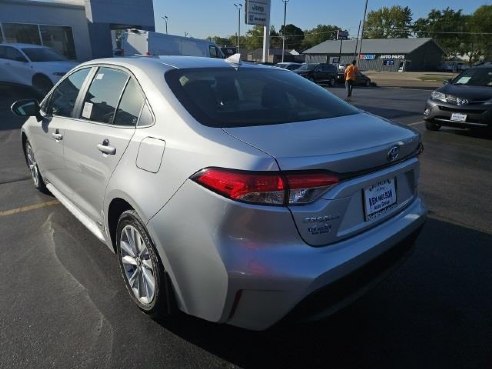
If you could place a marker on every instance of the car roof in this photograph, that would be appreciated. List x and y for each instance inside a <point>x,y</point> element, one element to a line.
<point>173,62</point>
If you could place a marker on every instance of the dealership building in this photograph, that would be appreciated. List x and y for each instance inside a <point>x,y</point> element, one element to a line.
<point>79,29</point>
<point>398,54</point>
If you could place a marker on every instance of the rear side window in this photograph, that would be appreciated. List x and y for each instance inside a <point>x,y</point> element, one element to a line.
<point>103,95</point>
<point>130,105</point>
<point>229,97</point>
<point>62,99</point>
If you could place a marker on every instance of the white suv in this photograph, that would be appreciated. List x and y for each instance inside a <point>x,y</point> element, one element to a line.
<point>32,65</point>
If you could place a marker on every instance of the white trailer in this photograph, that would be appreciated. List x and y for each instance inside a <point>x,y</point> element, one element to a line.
<point>139,42</point>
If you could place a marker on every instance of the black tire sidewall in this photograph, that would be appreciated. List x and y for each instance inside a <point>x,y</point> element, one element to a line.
<point>157,306</point>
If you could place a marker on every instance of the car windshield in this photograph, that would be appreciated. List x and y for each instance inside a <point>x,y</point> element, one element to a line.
<point>229,97</point>
<point>41,54</point>
<point>475,77</point>
<point>309,66</point>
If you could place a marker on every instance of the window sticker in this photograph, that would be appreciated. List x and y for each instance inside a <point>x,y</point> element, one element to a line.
<point>87,112</point>
<point>100,76</point>
<point>463,80</point>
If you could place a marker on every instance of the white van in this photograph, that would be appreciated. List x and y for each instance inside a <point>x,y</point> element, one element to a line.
<point>139,42</point>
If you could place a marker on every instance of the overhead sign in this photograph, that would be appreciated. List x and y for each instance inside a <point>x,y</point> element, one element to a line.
<point>367,56</point>
<point>257,12</point>
<point>342,35</point>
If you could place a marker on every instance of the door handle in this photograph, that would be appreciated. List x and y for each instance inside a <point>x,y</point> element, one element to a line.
<point>105,148</point>
<point>57,136</point>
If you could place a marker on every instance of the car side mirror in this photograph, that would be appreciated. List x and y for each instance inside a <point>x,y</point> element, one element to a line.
<point>445,82</point>
<point>27,108</point>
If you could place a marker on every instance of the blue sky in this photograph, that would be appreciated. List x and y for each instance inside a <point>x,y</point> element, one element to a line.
<point>202,18</point>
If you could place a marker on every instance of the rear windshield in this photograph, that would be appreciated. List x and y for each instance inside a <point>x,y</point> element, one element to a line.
<point>43,55</point>
<point>226,97</point>
<point>475,77</point>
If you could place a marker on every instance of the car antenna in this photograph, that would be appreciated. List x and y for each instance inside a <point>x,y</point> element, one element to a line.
<point>234,59</point>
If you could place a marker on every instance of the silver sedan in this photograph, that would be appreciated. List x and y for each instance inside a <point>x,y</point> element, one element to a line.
<point>237,193</point>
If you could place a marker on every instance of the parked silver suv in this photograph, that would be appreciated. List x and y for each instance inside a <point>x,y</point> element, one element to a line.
<point>237,193</point>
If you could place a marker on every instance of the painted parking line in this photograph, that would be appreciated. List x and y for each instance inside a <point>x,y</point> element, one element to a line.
<point>24,209</point>
<point>416,123</point>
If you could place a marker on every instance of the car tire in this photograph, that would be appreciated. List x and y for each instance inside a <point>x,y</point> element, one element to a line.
<point>332,82</point>
<point>147,282</point>
<point>368,83</point>
<point>431,126</point>
<point>34,168</point>
<point>42,84</point>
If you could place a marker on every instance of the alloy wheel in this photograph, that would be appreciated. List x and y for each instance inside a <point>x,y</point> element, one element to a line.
<point>33,166</point>
<point>138,267</point>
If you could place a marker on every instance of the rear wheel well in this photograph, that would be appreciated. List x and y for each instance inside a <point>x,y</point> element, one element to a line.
<point>116,208</point>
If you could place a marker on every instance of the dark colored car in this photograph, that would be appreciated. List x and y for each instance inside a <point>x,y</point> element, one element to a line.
<point>361,79</point>
<point>318,72</point>
<point>464,102</point>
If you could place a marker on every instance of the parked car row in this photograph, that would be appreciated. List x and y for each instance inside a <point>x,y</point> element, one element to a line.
<point>323,73</point>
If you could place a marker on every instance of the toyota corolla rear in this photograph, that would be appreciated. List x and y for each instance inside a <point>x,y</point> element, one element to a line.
<point>327,205</point>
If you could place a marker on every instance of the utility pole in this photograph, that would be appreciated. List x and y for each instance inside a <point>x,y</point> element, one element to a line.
<point>357,40</point>
<point>283,32</point>
<point>362,33</point>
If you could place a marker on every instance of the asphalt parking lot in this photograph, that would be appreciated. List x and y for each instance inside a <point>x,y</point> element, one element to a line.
<point>64,305</point>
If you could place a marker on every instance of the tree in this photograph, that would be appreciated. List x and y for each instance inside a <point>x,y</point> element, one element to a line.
<point>394,22</point>
<point>481,37</point>
<point>448,27</point>
<point>294,36</point>
<point>254,38</point>
<point>319,34</point>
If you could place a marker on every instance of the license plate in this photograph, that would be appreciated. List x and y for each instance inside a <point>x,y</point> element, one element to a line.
<point>379,198</point>
<point>458,117</point>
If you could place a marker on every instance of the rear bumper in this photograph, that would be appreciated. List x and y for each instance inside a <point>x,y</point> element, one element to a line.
<point>441,113</point>
<point>316,285</point>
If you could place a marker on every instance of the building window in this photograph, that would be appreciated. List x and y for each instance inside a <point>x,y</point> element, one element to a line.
<point>23,33</point>
<point>59,38</point>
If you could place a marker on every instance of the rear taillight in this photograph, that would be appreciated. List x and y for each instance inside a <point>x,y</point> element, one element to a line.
<point>267,188</point>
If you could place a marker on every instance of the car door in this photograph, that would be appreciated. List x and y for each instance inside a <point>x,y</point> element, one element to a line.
<point>14,66</point>
<point>47,139</point>
<point>97,140</point>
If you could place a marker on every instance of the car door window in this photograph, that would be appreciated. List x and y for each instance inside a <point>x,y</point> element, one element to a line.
<point>14,54</point>
<point>103,95</point>
<point>130,105</point>
<point>62,100</point>
<point>3,52</point>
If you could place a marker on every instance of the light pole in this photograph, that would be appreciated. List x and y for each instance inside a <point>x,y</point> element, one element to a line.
<point>283,32</point>
<point>238,6</point>
<point>165,20</point>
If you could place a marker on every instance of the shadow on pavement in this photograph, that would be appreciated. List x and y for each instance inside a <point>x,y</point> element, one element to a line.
<point>434,310</point>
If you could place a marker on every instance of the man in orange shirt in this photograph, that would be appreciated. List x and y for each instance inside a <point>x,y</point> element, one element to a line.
<point>350,77</point>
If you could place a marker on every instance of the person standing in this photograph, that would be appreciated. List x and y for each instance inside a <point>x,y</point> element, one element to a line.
<point>350,77</point>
